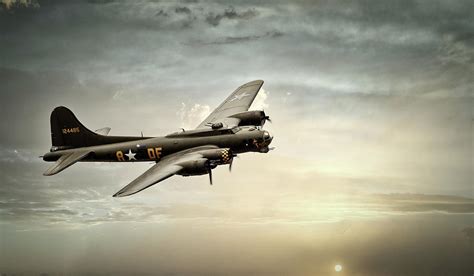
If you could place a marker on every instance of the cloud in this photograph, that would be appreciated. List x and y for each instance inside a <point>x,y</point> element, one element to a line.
<point>185,10</point>
<point>230,14</point>
<point>400,245</point>
<point>161,13</point>
<point>411,53</point>
<point>15,155</point>
<point>48,201</point>
<point>469,232</point>
<point>238,39</point>
<point>12,4</point>
<point>407,203</point>
<point>453,51</point>
<point>192,116</point>
<point>101,2</point>
<point>261,101</point>
<point>380,102</point>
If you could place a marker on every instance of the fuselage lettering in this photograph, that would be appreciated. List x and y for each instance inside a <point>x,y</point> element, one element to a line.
<point>71,130</point>
<point>154,153</point>
<point>119,155</point>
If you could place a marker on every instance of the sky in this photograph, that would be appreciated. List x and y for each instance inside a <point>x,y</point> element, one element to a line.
<point>372,108</point>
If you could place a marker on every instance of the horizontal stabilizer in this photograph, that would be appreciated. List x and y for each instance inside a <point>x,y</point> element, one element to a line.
<point>65,161</point>
<point>103,131</point>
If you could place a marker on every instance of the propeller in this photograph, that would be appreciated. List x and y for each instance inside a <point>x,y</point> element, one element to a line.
<point>232,161</point>
<point>230,164</point>
<point>209,170</point>
<point>210,176</point>
<point>265,117</point>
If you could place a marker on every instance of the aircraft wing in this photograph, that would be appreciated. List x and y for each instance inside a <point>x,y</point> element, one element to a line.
<point>239,101</point>
<point>65,161</point>
<point>167,167</point>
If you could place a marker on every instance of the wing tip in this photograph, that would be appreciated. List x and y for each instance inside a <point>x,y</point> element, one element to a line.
<point>254,82</point>
<point>51,171</point>
<point>120,194</point>
<point>124,193</point>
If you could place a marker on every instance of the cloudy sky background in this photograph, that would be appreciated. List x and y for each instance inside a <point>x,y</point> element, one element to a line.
<point>372,103</point>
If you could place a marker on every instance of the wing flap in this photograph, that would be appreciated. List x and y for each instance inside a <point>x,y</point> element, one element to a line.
<point>65,161</point>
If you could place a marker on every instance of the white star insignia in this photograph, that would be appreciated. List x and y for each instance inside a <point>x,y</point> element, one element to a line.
<point>130,155</point>
<point>239,97</point>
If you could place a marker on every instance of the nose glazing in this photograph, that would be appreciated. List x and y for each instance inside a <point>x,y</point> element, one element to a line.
<point>267,138</point>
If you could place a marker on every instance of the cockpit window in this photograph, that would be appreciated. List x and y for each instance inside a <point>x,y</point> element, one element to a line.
<point>227,131</point>
<point>236,129</point>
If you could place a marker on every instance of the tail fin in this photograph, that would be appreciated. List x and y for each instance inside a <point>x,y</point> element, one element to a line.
<point>68,132</point>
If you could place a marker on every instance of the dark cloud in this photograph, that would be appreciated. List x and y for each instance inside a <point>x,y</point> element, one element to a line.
<point>13,6</point>
<point>401,245</point>
<point>161,13</point>
<point>426,203</point>
<point>101,2</point>
<point>238,39</point>
<point>185,10</point>
<point>230,14</point>
<point>371,47</point>
<point>469,232</point>
<point>30,95</point>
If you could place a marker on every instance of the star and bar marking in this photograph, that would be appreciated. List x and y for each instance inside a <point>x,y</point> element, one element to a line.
<point>131,155</point>
<point>239,97</point>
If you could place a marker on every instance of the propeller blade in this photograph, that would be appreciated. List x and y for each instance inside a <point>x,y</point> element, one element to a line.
<point>232,161</point>
<point>209,170</point>
<point>210,176</point>
<point>267,118</point>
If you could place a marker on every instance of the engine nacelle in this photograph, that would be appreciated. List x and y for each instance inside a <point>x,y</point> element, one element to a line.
<point>211,158</point>
<point>251,118</point>
<point>218,156</point>
<point>195,167</point>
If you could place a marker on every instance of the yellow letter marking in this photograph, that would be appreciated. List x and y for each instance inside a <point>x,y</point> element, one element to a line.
<point>154,153</point>
<point>119,155</point>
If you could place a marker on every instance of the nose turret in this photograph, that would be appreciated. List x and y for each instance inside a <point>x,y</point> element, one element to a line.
<point>267,139</point>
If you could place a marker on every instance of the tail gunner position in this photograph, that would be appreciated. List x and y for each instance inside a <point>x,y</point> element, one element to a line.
<point>229,130</point>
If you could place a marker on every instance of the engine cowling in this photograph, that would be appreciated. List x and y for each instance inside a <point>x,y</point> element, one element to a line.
<point>211,158</point>
<point>218,156</point>
<point>252,118</point>
<point>196,167</point>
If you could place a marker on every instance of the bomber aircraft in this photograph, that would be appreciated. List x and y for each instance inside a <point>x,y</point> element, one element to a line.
<point>229,130</point>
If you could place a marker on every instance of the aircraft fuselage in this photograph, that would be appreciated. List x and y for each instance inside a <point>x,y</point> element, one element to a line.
<point>239,140</point>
